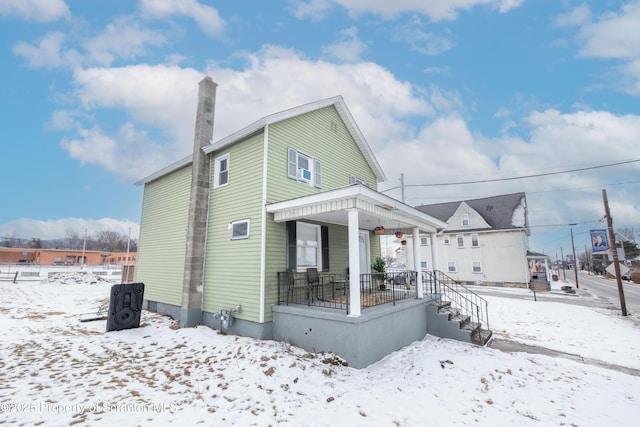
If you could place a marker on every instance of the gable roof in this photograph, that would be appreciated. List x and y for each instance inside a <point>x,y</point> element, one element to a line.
<point>497,211</point>
<point>259,125</point>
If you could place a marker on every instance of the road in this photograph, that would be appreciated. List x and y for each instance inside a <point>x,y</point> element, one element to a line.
<point>608,289</point>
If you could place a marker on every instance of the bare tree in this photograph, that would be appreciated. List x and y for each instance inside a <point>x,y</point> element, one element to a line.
<point>73,239</point>
<point>108,241</point>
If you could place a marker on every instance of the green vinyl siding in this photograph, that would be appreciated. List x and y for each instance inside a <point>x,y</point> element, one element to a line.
<point>163,233</point>
<point>232,267</point>
<point>322,135</point>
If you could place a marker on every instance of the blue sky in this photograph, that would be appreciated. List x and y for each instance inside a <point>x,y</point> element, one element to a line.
<point>99,94</point>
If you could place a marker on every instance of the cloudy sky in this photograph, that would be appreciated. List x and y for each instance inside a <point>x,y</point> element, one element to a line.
<point>99,94</point>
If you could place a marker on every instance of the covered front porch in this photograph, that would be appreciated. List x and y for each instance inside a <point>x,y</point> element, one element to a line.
<point>360,210</point>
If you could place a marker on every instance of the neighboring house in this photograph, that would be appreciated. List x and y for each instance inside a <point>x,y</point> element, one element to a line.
<point>485,241</point>
<point>232,236</point>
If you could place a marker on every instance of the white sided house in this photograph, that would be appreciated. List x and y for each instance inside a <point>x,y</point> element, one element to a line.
<point>270,233</point>
<point>485,241</point>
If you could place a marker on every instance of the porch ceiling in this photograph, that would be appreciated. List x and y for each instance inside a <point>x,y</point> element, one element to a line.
<point>374,209</point>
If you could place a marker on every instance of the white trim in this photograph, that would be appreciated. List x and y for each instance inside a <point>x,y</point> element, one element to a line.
<point>263,223</point>
<point>241,221</point>
<point>216,170</point>
<point>166,170</point>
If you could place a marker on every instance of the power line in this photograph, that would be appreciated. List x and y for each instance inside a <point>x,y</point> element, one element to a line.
<point>515,177</point>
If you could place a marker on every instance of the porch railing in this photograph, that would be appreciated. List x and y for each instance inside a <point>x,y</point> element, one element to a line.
<point>332,290</point>
<point>442,287</point>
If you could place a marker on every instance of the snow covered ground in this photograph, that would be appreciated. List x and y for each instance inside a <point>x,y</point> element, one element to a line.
<point>56,371</point>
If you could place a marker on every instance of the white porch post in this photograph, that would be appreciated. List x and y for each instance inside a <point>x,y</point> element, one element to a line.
<point>434,257</point>
<point>416,261</point>
<point>354,263</point>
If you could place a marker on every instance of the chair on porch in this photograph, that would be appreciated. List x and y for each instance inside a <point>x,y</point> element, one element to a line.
<point>314,285</point>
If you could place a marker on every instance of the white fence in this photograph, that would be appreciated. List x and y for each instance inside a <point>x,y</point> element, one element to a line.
<point>37,273</point>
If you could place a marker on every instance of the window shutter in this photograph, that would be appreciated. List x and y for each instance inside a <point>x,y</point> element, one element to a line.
<point>292,260</point>
<point>324,236</point>
<point>293,164</point>
<point>318,173</point>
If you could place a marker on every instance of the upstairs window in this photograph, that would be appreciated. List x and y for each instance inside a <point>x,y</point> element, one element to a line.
<point>446,239</point>
<point>221,171</point>
<point>464,220</point>
<point>475,243</point>
<point>460,240</point>
<point>304,169</point>
<point>424,241</point>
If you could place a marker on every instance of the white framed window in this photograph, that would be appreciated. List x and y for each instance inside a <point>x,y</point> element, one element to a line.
<point>475,242</point>
<point>476,267</point>
<point>308,250</point>
<point>424,265</point>
<point>240,229</point>
<point>464,220</point>
<point>446,239</point>
<point>451,267</point>
<point>221,171</point>
<point>304,168</point>
<point>424,241</point>
<point>460,241</point>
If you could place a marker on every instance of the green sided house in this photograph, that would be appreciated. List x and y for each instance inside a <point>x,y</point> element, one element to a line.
<point>270,232</point>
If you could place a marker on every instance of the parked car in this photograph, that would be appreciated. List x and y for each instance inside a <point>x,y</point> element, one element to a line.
<point>24,262</point>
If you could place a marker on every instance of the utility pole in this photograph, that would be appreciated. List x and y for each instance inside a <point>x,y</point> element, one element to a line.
<point>613,248</point>
<point>564,273</point>
<point>402,186</point>
<point>575,259</point>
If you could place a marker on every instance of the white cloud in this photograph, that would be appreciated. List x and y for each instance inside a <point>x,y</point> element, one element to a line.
<point>421,41</point>
<point>48,53</point>
<point>35,10</point>
<point>436,10</point>
<point>123,38</point>
<point>130,155</point>
<point>579,15</point>
<point>615,35</point>
<point>207,17</point>
<point>348,48</point>
<point>58,228</point>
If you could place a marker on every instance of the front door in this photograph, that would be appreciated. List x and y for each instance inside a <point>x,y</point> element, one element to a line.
<point>365,258</point>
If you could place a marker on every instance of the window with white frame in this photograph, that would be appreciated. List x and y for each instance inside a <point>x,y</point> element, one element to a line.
<point>304,168</point>
<point>475,243</point>
<point>424,265</point>
<point>464,220</point>
<point>308,246</point>
<point>446,239</point>
<point>221,171</point>
<point>424,241</point>
<point>240,229</point>
<point>476,267</point>
<point>451,267</point>
<point>460,240</point>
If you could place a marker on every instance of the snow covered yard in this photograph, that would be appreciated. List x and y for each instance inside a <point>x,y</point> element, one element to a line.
<point>57,371</point>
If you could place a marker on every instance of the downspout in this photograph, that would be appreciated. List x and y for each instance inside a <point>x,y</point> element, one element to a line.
<point>263,233</point>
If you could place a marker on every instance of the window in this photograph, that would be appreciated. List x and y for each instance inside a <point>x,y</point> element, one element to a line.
<point>424,241</point>
<point>446,239</point>
<point>474,241</point>
<point>221,171</point>
<point>464,220</point>
<point>460,240</point>
<point>307,246</point>
<point>476,267</point>
<point>424,265</point>
<point>240,229</point>
<point>451,267</point>
<point>304,168</point>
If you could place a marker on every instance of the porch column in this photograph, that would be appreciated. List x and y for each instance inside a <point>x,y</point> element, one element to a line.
<point>354,263</point>
<point>434,257</point>
<point>416,261</point>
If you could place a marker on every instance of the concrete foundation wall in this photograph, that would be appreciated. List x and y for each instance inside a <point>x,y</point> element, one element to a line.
<point>360,341</point>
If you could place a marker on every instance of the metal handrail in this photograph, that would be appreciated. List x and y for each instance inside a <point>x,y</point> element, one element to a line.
<point>442,286</point>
